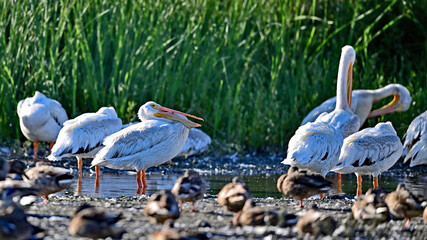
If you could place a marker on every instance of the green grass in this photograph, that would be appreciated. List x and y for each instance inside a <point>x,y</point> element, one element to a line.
<point>253,69</point>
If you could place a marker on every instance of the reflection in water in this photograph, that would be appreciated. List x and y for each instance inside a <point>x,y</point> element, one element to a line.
<point>261,185</point>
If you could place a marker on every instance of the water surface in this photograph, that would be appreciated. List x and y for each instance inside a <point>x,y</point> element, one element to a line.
<point>260,173</point>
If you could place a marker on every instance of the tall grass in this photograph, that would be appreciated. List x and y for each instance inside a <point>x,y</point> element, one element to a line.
<point>251,68</point>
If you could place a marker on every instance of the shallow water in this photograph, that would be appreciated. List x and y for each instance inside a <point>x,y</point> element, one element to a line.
<point>260,173</point>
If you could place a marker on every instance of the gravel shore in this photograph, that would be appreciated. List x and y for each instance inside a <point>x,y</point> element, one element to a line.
<point>213,222</point>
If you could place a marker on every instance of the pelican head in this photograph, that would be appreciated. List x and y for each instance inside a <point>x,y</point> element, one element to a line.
<point>345,76</point>
<point>401,100</point>
<point>109,111</point>
<point>151,110</point>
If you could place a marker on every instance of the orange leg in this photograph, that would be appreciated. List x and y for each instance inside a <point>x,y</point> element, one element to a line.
<point>321,195</point>
<point>98,176</point>
<point>79,185</point>
<point>36,148</point>
<point>339,184</point>
<point>50,147</point>
<point>142,183</point>
<point>407,223</point>
<point>80,166</point>
<point>46,198</point>
<point>375,182</point>
<point>138,179</point>
<point>359,185</point>
<point>143,180</point>
<point>300,203</point>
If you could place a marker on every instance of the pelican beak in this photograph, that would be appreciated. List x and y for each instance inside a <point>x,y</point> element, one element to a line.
<point>390,107</point>
<point>171,114</point>
<point>349,84</point>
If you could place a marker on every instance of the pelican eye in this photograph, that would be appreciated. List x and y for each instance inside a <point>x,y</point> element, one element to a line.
<point>153,106</point>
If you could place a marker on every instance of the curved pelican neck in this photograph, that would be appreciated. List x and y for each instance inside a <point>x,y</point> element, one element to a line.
<point>344,75</point>
<point>383,92</point>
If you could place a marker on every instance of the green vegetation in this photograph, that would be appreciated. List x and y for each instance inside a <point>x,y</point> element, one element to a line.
<point>252,68</point>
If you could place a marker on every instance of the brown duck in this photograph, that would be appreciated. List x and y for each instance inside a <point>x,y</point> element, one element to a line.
<point>92,222</point>
<point>234,195</point>
<point>371,207</point>
<point>14,224</point>
<point>403,204</point>
<point>161,207</point>
<point>189,187</point>
<point>302,184</point>
<point>252,215</point>
<point>316,223</point>
<point>48,179</point>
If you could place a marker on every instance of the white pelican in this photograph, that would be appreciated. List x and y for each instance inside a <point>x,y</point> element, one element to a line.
<point>197,142</point>
<point>316,146</point>
<point>415,146</point>
<point>82,136</point>
<point>40,119</point>
<point>158,138</point>
<point>370,151</point>
<point>362,101</point>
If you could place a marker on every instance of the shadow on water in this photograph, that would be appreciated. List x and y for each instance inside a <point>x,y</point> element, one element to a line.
<point>260,173</point>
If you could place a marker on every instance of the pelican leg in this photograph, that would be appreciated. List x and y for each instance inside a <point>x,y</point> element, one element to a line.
<point>359,185</point>
<point>143,180</point>
<point>79,186</point>
<point>321,195</point>
<point>36,148</point>
<point>50,147</point>
<point>300,203</point>
<point>97,176</point>
<point>138,179</point>
<point>375,182</point>
<point>80,166</point>
<point>339,183</point>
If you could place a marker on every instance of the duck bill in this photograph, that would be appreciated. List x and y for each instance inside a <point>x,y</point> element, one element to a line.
<point>349,84</point>
<point>171,116</point>
<point>390,107</point>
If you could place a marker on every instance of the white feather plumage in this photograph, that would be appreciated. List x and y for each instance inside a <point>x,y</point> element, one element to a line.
<point>41,118</point>
<point>415,146</point>
<point>83,135</point>
<point>370,151</point>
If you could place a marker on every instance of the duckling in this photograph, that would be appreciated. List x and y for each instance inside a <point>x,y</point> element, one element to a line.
<point>162,206</point>
<point>91,222</point>
<point>14,224</point>
<point>316,223</point>
<point>302,184</point>
<point>189,187</point>
<point>371,207</point>
<point>234,195</point>
<point>48,179</point>
<point>403,204</point>
<point>251,215</point>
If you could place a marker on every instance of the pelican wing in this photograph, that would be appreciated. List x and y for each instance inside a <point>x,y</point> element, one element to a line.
<point>368,147</point>
<point>316,143</point>
<point>133,139</point>
<point>416,140</point>
<point>84,133</point>
<point>57,112</point>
